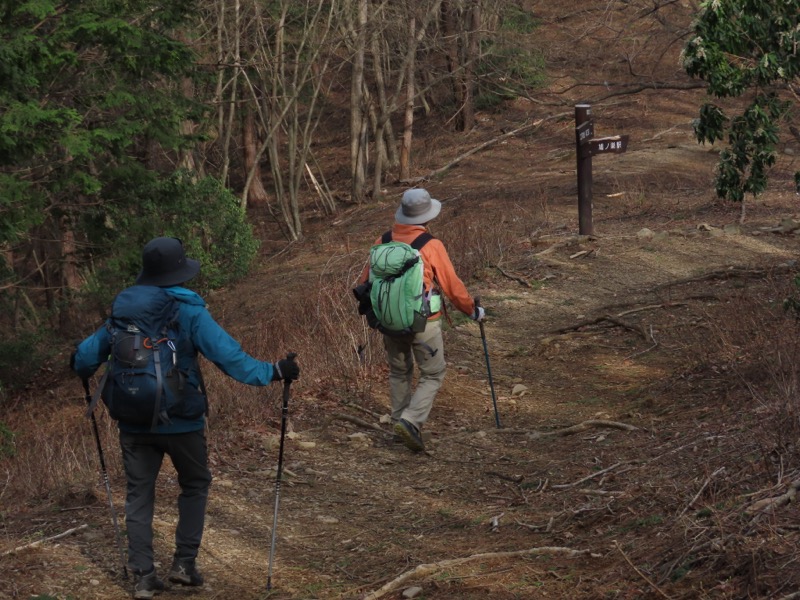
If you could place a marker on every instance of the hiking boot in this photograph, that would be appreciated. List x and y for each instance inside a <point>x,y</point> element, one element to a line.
<point>184,571</point>
<point>410,435</point>
<point>146,585</point>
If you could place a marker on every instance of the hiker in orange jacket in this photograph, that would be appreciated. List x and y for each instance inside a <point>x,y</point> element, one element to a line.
<point>410,408</point>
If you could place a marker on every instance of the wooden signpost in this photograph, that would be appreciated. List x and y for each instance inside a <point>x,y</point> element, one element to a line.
<point>586,146</point>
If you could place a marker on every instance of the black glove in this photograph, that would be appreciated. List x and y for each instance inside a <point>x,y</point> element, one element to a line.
<point>76,343</point>
<point>285,369</point>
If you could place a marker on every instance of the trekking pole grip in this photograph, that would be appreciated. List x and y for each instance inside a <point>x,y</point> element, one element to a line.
<point>290,357</point>
<point>477,301</point>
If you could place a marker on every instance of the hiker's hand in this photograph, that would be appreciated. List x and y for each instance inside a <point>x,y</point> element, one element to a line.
<point>479,314</point>
<point>285,369</point>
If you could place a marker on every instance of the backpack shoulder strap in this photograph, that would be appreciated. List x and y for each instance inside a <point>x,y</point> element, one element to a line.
<point>417,244</point>
<point>421,240</point>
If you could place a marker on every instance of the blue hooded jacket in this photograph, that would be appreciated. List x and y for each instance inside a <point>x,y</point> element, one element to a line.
<point>200,333</point>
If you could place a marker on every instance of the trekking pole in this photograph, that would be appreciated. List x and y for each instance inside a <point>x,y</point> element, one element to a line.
<point>488,367</point>
<point>284,416</point>
<point>105,480</point>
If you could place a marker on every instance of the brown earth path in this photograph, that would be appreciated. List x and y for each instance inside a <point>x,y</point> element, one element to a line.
<point>648,506</point>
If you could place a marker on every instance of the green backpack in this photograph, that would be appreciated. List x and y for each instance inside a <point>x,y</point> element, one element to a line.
<point>396,286</point>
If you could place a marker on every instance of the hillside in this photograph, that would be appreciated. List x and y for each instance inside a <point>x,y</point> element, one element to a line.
<point>645,378</point>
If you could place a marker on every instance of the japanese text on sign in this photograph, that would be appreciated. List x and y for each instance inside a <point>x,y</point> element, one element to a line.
<point>585,132</point>
<point>609,146</point>
<point>616,144</point>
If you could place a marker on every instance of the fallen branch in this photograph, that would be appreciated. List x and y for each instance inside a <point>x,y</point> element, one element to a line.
<point>544,528</point>
<point>535,435</point>
<point>513,277</point>
<point>429,568</point>
<point>42,541</point>
<point>642,575</point>
<point>649,307</point>
<point>769,504</point>
<point>613,319</point>
<point>700,491</point>
<point>511,478</point>
<point>363,409</point>
<point>350,419</point>
<point>646,350</point>
<point>475,150</point>
<point>727,273</point>
<point>564,486</point>
<point>589,492</point>
<point>570,241</point>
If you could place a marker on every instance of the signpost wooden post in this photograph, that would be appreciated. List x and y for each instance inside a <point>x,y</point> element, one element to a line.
<point>584,132</point>
<point>586,146</point>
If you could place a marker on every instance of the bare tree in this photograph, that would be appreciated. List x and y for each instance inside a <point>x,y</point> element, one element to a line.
<point>397,31</point>
<point>461,23</point>
<point>358,112</point>
<point>272,65</point>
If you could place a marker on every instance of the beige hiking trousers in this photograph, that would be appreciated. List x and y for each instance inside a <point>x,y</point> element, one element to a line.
<point>426,349</point>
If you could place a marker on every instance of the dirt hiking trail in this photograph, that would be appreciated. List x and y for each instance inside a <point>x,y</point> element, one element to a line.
<point>582,332</point>
<point>633,372</point>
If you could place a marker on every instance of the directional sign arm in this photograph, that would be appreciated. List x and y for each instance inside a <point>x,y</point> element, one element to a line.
<point>614,143</point>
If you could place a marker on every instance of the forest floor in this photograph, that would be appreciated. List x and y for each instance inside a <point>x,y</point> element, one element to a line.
<point>634,443</point>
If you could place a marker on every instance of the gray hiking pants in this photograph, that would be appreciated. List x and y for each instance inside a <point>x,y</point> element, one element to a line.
<point>427,350</point>
<point>142,455</point>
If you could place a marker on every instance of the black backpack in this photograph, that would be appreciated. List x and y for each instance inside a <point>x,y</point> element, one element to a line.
<point>142,384</point>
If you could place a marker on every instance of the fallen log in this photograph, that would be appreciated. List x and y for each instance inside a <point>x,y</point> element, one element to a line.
<point>430,568</point>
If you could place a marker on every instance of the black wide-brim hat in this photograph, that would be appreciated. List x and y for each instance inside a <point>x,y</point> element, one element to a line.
<point>164,263</point>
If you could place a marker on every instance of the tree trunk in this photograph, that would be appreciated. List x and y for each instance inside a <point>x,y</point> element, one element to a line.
<point>380,118</point>
<point>408,121</point>
<point>357,113</point>
<point>255,195</point>
<point>186,155</point>
<point>71,279</point>
<point>451,37</point>
<point>470,62</point>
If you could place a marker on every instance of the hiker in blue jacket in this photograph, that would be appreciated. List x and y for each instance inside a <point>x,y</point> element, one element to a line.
<point>182,436</point>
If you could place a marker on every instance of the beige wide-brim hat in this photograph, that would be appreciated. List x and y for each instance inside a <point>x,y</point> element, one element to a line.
<point>417,207</point>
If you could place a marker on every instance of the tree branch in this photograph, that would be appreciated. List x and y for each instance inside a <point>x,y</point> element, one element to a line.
<point>42,541</point>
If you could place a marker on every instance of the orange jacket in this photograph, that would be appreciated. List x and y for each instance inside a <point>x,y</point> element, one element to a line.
<point>437,266</point>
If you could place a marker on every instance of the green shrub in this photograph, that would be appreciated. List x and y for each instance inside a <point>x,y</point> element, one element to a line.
<point>509,63</point>
<point>206,216</point>
<point>7,446</point>
<point>20,359</point>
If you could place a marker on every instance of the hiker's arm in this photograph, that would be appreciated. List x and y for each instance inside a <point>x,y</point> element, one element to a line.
<point>91,353</point>
<point>364,274</point>
<point>445,275</point>
<point>220,348</point>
